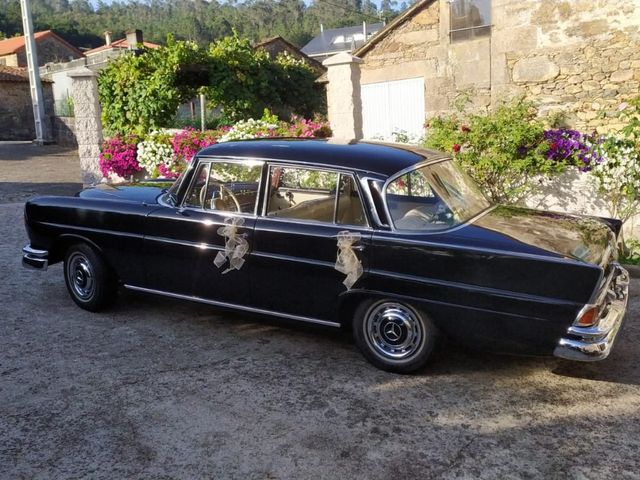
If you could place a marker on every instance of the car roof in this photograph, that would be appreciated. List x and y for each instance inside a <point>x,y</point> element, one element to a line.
<point>384,159</point>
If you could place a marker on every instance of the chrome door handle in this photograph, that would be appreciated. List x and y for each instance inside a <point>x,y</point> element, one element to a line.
<point>359,248</point>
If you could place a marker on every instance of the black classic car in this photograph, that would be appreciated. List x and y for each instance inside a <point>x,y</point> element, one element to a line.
<point>392,241</point>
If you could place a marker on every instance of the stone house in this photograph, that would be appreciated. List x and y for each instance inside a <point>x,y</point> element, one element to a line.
<point>16,113</point>
<point>276,45</point>
<point>51,48</point>
<point>575,59</point>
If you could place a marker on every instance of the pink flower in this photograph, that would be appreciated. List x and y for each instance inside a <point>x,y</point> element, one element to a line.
<point>456,148</point>
<point>118,155</point>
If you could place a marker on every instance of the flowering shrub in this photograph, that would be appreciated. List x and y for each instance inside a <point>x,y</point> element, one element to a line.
<point>502,150</point>
<point>247,129</point>
<point>618,176</point>
<point>155,151</point>
<point>165,153</point>
<point>301,127</point>
<point>118,155</point>
<point>573,147</point>
<point>188,142</point>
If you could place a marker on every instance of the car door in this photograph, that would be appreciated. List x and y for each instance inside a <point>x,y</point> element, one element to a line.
<point>296,241</point>
<point>183,242</point>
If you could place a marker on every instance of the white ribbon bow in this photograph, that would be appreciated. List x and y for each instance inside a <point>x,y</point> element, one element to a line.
<point>235,246</point>
<point>347,261</point>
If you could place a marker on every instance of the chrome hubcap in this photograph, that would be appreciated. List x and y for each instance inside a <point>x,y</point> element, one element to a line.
<point>81,276</point>
<point>393,330</point>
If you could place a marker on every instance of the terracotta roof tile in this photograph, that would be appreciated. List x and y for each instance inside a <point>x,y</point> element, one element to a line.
<point>118,44</point>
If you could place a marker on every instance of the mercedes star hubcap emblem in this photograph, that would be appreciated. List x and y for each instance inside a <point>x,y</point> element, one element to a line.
<point>392,331</point>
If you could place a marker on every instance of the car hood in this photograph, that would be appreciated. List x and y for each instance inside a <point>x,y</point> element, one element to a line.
<point>586,239</point>
<point>147,192</point>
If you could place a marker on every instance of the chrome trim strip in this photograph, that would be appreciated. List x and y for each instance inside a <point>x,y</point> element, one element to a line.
<point>185,243</point>
<point>234,306</point>
<point>93,230</point>
<point>289,258</point>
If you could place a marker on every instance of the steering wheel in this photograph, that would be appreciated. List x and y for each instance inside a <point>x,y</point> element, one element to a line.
<point>224,196</point>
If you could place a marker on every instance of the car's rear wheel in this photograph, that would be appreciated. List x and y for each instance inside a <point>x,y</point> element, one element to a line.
<point>89,280</point>
<point>393,335</point>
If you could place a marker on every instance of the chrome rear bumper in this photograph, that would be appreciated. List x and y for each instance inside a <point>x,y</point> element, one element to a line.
<point>589,344</point>
<point>34,258</point>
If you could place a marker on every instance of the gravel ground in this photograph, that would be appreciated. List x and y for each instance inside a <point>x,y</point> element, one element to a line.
<point>157,388</point>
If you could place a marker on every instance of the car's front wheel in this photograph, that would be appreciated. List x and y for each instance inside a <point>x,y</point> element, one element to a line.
<point>89,280</point>
<point>394,335</point>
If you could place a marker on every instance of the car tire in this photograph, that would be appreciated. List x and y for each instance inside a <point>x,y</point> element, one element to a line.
<point>89,279</point>
<point>393,335</point>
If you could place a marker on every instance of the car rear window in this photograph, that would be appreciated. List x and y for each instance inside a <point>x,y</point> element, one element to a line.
<point>433,197</point>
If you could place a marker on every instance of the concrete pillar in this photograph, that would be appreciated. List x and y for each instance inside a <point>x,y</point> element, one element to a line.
<point>86,108</point>
<point>343,95</point>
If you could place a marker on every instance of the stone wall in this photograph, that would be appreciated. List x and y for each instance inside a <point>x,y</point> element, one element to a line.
<point>578,58</point>
<point>64,131</point>
<point>16,113</point>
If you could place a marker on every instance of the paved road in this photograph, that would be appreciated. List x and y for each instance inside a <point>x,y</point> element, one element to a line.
<point>27,170</point>
<point>162,389</point>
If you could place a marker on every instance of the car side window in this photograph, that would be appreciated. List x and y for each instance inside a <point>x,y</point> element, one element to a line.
<point>349,209</point>
<point>307,194</point>
<point>195,196</point>
<point>233,187</point>
<point>302,194</point>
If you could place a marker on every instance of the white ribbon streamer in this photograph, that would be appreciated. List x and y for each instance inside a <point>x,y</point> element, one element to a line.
<point>235,246</point>
<point>347,261</point>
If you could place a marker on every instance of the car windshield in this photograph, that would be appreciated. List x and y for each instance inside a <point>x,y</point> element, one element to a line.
<point>434,197</point>
<point>172,192</point>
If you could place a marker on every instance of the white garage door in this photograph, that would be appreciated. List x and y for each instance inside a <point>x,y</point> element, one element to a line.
<point>389,107</point>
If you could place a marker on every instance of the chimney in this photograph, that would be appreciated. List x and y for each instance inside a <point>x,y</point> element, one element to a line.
<point>107,38</point>
<point>134,39</point>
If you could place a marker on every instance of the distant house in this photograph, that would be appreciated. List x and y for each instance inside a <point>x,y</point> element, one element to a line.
<point>336,40</point>
<point>132,39</point>
<point>51,48</point>
<point>16,112</point>
<point>277,45</point>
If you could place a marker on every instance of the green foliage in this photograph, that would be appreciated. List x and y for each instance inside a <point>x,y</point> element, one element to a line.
<point>239,77</point>
<point>140,92</point>
<point>630,115</point>
<point>502,150</point>
<point>631,255</point>
<point>295,85</point>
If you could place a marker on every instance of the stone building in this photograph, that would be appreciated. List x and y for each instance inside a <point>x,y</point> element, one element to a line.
<point>276,45</point>
<point>51,48</point>
<point>16,113</point>
<point>575,59</point>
